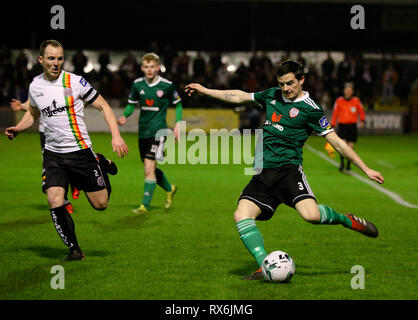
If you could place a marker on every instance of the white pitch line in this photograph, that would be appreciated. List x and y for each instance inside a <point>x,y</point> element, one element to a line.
<point>371,183</point>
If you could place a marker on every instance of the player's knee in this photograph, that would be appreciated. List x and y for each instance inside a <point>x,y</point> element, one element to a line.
<point>101,206</point>
<point>55,200</point>
<point>242,215</point>
<point>311,216</point>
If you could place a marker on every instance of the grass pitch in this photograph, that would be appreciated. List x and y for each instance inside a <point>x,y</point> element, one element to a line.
<point>193,250</point>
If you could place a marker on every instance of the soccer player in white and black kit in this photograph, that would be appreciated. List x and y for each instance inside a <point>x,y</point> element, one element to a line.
<point>59,97</point>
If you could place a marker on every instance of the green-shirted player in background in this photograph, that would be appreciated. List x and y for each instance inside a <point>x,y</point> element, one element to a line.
<point>291,117</point>
<point>154,94</point>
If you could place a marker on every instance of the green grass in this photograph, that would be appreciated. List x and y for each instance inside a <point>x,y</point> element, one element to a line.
<point>193,251</point>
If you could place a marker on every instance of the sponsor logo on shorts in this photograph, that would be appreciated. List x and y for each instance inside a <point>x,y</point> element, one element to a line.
<point>100,182</point>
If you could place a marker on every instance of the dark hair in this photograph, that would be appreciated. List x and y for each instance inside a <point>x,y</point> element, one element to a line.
<point>46,43</point>
<point>290,65</point>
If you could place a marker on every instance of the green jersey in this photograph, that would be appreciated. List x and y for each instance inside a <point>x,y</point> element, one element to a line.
<point>288,125</point>
<point>153,100</point>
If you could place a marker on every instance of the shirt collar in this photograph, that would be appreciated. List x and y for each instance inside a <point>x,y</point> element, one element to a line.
<point>305,95</point>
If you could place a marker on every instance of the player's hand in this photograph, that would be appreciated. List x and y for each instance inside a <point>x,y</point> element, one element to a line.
<point>119,146</point>
<point>177,131</point>
<point>361,126</point>
<point>194,87</point>
<point>16,105</point>
<point>11,132</point>
<point>122,120</point>
<point>375,175</point>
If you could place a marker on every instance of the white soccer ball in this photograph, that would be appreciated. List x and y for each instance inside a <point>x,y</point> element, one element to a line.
<point>278,266</point>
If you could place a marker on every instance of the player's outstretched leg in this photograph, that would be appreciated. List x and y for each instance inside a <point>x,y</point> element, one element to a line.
<point>163,182</point>
<point>250,235</point>
<point>330,216</point>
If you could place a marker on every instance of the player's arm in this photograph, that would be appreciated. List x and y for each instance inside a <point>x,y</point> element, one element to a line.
<point>27,121</point>
<point>118,143</point>
<point>229,96</point>
<point>18,105</point>
<point>346,151</point>
<point>179,117</point>
<point>129,109</point>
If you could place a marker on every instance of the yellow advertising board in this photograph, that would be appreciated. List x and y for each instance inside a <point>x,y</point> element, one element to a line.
<point>206,119</point>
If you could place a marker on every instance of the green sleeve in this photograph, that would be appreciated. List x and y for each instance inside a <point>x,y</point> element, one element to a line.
<point>179,111</point>
<point>130,108</point>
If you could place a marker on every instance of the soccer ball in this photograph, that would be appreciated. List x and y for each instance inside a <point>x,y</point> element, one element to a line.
<point>278,266</point>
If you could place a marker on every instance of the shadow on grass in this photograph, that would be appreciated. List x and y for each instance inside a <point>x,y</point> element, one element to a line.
<point>304,271</point>
<point>58,253</point>
<point>310,271</point>
<point>43,219</point>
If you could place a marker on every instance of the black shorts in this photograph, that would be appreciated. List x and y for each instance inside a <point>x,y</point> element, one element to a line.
<point>151,148</point>
<point>348,131</point>
<point>81,168</point>
<point>42,140</point>
<point>274,186</point>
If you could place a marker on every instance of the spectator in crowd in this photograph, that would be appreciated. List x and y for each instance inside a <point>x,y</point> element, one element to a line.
<point>129,69</point>
<point>199,65</point>
<point>366,86</point>
<point>104,61</point>
<point>389,80</point>
<point>79,62</point>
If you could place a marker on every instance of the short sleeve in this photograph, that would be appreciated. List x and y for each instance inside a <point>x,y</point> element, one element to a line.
<point>174,95</point>
<point>260,97</point>
<point>31,100</point>
<point>133,96</point>
<point>86,91</point>
<point>319,122</point>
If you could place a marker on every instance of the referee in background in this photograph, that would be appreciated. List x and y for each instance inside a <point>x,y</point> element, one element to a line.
<point>347,109</point>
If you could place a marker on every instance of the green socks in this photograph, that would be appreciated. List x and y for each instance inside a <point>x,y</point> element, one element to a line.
<point>252,239</point>
<point>149,188</point>
<point>330,216</point>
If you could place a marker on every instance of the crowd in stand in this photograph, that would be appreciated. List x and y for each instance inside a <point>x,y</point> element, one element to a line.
<point>372,82</point>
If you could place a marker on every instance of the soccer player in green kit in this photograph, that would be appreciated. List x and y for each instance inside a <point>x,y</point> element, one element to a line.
<point>291,116</point>
<point>154,94</point>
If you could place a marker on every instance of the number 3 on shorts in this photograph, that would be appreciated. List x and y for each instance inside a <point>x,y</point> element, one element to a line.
<point>300,185</point>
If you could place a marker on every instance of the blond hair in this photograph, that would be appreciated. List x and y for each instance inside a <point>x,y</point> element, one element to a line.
<point>150,56</point>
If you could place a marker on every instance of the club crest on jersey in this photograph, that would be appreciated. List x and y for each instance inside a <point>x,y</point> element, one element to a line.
<point>68,92</point>
<point>160,93</point>
<point>323,122</point>
<point>293,112</point>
